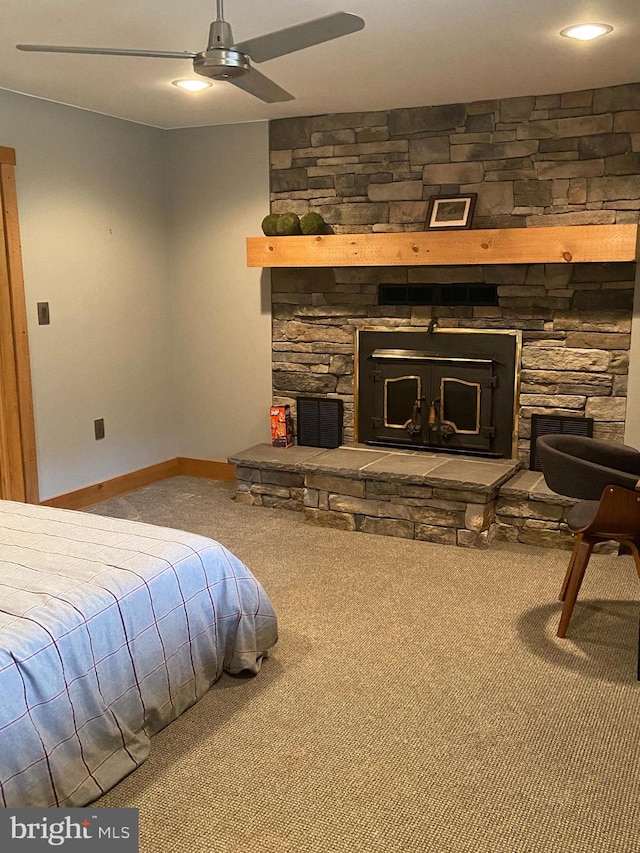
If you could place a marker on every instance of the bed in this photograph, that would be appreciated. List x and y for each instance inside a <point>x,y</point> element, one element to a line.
<point>109,629</point>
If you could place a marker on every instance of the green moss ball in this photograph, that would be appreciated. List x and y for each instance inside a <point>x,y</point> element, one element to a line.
<point>270,225</point>
<point>312,223</point>
<point>287,224</point>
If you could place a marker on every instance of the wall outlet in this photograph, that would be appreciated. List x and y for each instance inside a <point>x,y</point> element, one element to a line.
<point>98,427</point>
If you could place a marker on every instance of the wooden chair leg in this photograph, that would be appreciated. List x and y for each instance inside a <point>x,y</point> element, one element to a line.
<point>572,562</point>
<point>583,554</point>
<point>633,546</point>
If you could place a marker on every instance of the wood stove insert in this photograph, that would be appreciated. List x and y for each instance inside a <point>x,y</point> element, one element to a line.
<point>453,391</point>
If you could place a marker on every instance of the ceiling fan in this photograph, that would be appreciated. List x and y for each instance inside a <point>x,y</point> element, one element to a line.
<point>224,60</point>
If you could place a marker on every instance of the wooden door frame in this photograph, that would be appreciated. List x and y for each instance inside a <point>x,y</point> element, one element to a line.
<point>18,462</point>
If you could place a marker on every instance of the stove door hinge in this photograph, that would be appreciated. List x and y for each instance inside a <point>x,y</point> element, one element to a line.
<point>490,382</point>
<point>376,375</point>
<point>488,432</point>
<point>376,423</point>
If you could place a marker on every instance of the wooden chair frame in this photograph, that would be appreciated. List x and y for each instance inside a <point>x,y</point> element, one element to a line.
<point>617,519</point>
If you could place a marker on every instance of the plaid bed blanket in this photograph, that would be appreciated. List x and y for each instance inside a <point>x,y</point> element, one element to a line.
<point>109,629</point>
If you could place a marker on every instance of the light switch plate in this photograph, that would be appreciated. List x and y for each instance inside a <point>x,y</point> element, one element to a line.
<point>43,314</point>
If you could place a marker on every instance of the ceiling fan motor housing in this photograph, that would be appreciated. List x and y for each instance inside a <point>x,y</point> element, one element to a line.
<point>221,63</point>
<point>219,60</point>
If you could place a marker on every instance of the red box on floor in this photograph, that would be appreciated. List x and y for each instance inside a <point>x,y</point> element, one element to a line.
<point>281,426</point>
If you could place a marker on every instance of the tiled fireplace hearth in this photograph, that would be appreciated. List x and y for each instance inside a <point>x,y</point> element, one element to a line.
<point>432,497</point>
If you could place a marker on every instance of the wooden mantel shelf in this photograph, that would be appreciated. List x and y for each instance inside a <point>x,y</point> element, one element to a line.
<point>554,244</point>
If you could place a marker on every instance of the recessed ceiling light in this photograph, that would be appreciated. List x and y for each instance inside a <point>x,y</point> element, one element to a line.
<point>586,32</point>
<point>191,85</point>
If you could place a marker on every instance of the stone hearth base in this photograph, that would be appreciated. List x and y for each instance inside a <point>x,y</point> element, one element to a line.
<point>433,497</point>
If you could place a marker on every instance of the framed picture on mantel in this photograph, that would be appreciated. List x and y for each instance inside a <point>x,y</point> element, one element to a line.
<point>452,211</point>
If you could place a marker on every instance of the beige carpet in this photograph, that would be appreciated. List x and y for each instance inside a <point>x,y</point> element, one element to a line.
<point>418,700</point>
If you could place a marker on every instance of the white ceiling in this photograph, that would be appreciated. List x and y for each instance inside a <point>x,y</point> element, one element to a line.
<point>411,53</point>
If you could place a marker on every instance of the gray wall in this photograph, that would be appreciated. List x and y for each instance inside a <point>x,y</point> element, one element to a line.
<point>219,191</point>
<point>93,214</point>
<point>632,431</point>
<point>135,236</point>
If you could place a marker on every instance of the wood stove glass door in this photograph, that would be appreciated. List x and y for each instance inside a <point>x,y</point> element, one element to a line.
<point>463,404</point>
<point>399,399</point>
<point>435,402</point>
<point>399,391</point>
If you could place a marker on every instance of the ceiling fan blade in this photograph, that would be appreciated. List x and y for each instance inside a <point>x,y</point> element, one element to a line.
<point>300,36</point>
<point>261,87</point>
<point>106,51</point>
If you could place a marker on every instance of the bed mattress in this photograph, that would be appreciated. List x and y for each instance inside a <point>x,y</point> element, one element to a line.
<point>109,629</point>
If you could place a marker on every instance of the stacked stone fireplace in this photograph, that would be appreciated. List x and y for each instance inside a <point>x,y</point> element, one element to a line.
<point>562,159</point>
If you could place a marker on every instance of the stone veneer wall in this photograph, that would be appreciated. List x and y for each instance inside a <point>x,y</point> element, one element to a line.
<point>569,159</point>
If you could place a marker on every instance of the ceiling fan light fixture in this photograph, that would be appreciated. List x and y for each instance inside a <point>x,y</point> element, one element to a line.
<point>192,85</point>
<point>586,32</point>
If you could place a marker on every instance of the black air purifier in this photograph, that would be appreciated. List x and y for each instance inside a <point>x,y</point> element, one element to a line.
<point>319,422</point>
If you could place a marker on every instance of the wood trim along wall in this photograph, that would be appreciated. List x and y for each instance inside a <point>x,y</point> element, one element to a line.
<point>206,468</point>
<point>8,156</point>
<point>18,464</point>
<point>90,495</point>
